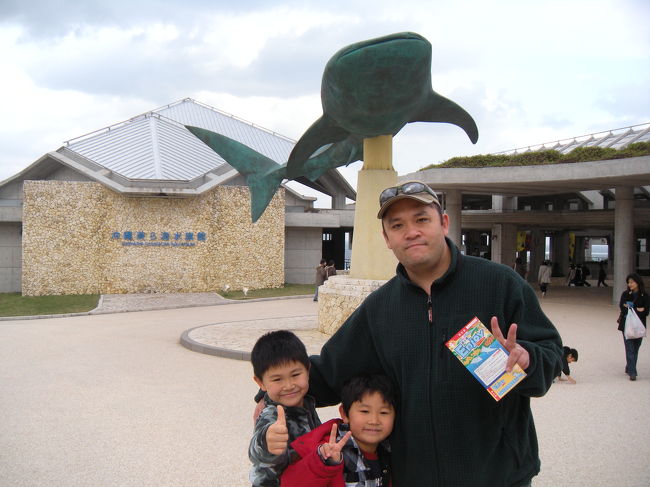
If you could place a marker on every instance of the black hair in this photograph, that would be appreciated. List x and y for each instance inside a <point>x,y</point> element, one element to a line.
<point>638,279</point>
<point>277,348</point>
<point>573,352</point>
<point>358,386</point>
<point>330,262</point>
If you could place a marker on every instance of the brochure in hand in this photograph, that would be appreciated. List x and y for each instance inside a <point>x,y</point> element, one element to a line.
<point>475,346</point>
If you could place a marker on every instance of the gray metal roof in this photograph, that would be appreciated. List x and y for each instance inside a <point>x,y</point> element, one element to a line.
<point>157,146</point>
<point>616,139</point>
<point>191,112</point>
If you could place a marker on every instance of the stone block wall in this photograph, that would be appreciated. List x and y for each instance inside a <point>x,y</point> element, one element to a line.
<point>82,238</point>
<point>339,297</point>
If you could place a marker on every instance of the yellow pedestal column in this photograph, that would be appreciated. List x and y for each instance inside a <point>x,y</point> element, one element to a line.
<point>370,257</point>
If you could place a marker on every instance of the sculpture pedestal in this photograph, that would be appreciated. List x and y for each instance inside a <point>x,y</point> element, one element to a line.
<point>371,259</point>
<point>372,262</point>
<point>339,297</point>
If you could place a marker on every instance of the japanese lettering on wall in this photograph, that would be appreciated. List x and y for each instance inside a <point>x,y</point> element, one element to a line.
<point>159,239</point>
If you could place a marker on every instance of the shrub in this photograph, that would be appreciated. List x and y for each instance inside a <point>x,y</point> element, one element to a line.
<point>581,154</point>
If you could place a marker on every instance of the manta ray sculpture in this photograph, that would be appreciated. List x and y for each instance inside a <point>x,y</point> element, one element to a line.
<point>370,88</point>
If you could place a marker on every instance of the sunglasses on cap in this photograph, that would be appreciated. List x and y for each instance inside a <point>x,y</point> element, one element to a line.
<point>410,188</point>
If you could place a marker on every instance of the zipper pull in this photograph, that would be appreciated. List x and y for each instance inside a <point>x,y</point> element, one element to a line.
<point>430,308</point>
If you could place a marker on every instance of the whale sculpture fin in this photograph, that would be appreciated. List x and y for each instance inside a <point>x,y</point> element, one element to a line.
<point>263,175</point>
<point>335,155</point>
<point>322,132</point>
<point>441,109</point>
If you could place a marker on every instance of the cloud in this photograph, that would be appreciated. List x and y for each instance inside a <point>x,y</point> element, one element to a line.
<point>527,72</point>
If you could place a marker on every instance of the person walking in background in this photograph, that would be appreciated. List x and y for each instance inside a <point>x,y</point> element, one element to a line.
<point>544,276</point>
<point>520,267</point>
<point>330,270</point>
<point>602,274</point>
<point>571,276</point>
<point>584,274</point>
<point>634,297</point>
<point>321,276</point>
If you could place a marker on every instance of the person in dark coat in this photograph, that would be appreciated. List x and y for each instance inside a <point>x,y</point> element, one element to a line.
<point>634,297</point>
<point>448,430</point>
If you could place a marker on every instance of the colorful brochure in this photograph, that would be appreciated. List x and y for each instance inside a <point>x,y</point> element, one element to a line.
<point>483,355</point>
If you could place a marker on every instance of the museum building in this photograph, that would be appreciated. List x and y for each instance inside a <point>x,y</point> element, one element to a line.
<point>144,206</point>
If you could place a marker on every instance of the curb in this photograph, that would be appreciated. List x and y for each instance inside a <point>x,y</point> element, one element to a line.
<point>195,346</point>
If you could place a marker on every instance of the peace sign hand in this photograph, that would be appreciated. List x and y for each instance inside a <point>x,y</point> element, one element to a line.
<point>518,354</point>
<point>333,448</point>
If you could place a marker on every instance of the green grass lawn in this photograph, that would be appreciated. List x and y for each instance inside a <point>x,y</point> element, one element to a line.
<point>287,290</point>
<point>14,304</point>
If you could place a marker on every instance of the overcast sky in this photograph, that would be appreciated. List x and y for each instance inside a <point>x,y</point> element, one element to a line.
<point>527,71</point>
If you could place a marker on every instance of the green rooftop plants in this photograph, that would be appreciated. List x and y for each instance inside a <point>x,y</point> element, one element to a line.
<point>581,154</point>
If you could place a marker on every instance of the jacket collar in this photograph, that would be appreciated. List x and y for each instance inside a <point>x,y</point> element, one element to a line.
<point>308,401</point>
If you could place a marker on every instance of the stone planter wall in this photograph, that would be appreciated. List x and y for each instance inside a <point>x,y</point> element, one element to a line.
<point>339,297</point>
<point>81,238</point>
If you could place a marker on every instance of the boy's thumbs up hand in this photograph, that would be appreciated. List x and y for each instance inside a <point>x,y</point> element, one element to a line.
<point>277,436</point>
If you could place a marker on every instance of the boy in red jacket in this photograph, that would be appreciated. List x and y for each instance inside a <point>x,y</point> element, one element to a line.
<point>357,455</point>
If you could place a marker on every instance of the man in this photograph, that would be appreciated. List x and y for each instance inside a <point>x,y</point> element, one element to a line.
<point>321,276</point>
<point>448,430</point>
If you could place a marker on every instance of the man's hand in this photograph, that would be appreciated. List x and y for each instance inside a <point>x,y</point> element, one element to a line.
<point>518,354</point>
<point>277,436</point>
<point>258,410</point>
<point>333,448</point>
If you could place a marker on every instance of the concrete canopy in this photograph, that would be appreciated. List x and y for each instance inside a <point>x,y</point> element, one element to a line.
<point>540,179</point>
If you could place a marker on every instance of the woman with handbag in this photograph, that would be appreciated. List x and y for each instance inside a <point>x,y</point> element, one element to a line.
<point>633,298</point>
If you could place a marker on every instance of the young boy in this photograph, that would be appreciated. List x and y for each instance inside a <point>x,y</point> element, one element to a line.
<point>281,368</point>
<point>358,455</point>
<point>569,356</point>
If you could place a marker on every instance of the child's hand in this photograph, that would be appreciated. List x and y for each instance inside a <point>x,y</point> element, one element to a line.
<point>333,449</point>
<point>277,436</point>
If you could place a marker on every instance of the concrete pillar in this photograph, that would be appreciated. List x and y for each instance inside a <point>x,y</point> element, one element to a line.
<point>453,203</point>
<point>338,201</point>
<point>504,241</point>
<point>536,254</point>
<point>503,203</point>
<point>623,239</point>
<point>561,247</point>
<point>371,259</point>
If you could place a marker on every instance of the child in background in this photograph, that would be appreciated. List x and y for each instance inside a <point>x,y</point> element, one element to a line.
<point>569,356</point>
<point>281,368</point>
<point>358,455</point>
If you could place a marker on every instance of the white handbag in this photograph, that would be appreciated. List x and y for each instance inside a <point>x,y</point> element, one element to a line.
<point>633,326</point>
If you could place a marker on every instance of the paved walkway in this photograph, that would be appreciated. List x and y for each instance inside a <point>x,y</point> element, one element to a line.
<point>114,399</point>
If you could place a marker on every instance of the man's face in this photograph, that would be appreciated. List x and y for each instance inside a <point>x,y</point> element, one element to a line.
<point>416,235</point>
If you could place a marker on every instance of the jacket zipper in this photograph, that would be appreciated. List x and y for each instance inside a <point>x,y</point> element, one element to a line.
<point>430,384</point>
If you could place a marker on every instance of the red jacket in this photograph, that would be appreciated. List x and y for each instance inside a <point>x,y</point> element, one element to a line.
<point>310,469</point>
